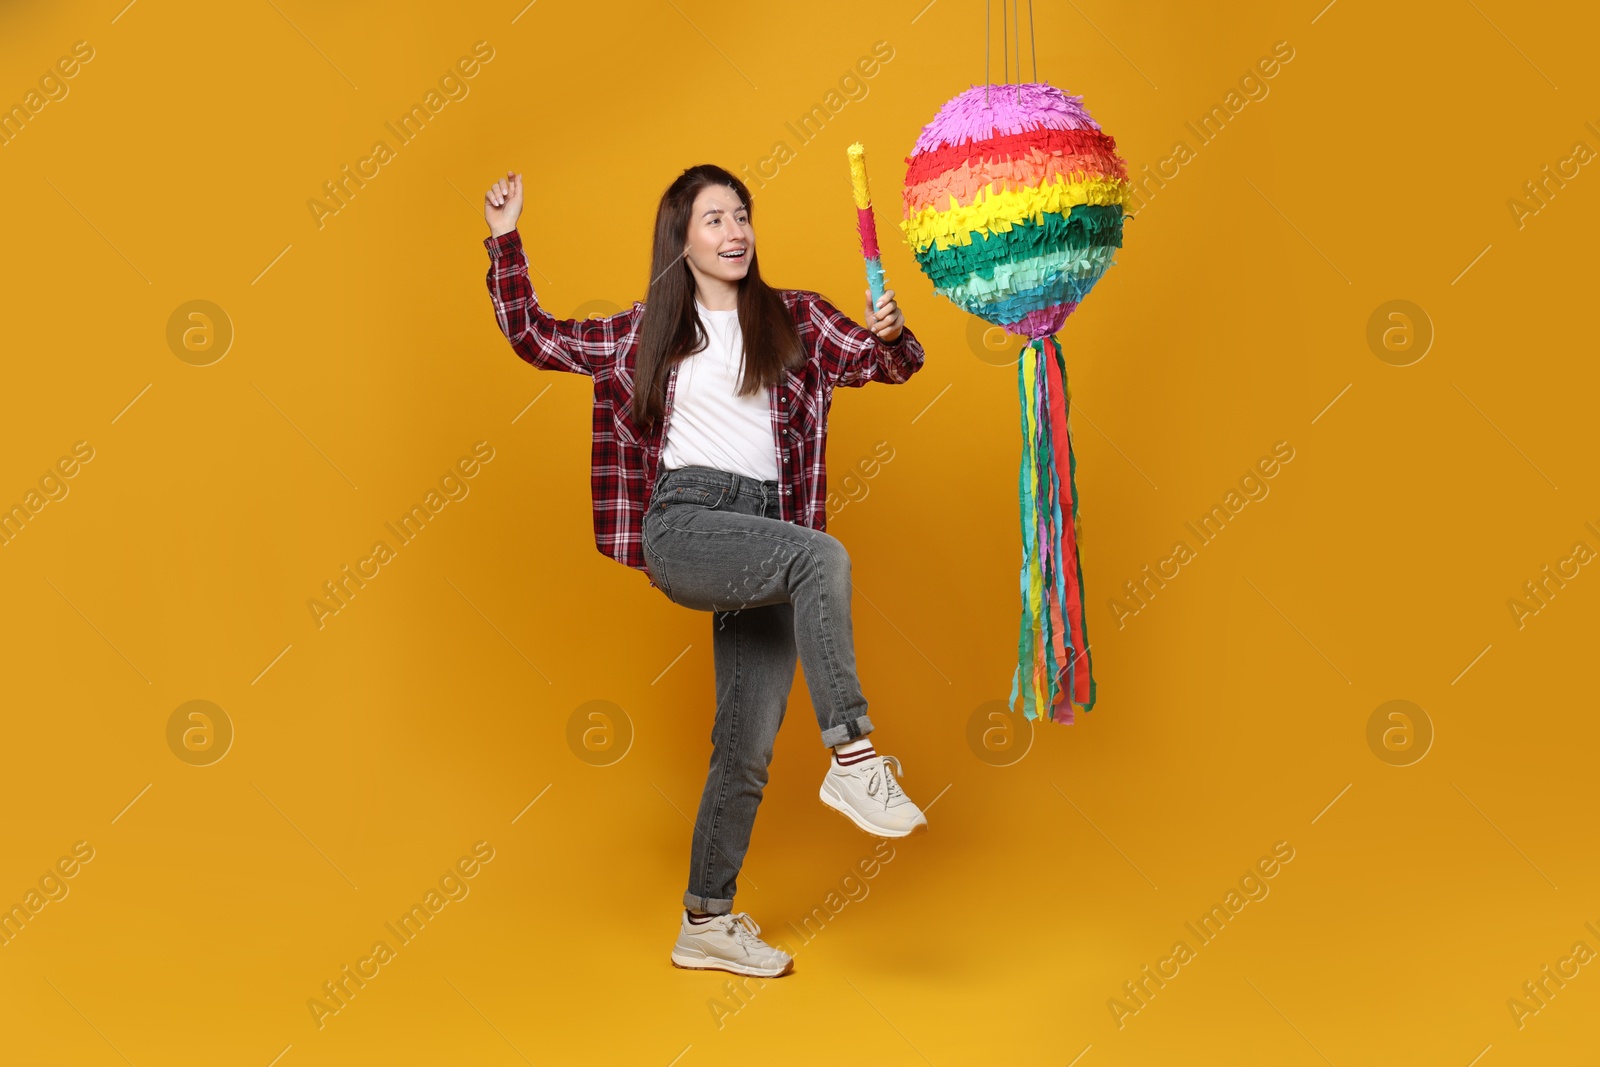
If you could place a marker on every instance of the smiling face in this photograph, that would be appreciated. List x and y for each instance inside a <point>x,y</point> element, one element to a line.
<point>720,243</point>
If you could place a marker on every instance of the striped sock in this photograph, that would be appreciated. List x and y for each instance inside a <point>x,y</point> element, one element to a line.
<point>853,752</point>
<point>698,918</point>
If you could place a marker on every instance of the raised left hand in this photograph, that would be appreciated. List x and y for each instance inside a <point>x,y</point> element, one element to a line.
<point>887,321</point>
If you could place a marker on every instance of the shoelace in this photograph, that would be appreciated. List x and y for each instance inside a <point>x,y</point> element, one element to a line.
<point>880,774</point>
<point>743,929</point>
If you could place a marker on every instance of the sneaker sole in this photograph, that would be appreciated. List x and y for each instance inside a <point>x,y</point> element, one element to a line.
<point>865,827</point>
<point>707,963</point>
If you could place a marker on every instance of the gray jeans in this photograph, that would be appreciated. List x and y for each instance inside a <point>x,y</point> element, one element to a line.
<point>713,542</point>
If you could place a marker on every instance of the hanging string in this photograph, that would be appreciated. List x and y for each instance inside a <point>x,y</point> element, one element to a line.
<point>1005,47</point>
<point>1016,17</point>
<point>1032,44</point>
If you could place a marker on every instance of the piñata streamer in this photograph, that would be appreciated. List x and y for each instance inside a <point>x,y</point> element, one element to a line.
<point>1013,208</point>
<point>865,221</point>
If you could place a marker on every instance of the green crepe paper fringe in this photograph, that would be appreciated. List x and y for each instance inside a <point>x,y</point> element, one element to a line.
<point>1072,270</point>
<point>1086,226</point>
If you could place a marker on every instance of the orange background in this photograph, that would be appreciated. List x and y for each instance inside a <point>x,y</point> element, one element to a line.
<point>369,755</point>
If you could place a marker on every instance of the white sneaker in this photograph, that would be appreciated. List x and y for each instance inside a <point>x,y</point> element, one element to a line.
<point>869,795</point>
<point>728,943</point>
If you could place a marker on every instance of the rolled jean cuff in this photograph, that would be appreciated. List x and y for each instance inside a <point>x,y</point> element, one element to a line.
<point>847,731</point>
<point>710,905</point>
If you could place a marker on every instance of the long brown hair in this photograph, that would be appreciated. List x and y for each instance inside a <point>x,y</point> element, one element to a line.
<point>671,330</point>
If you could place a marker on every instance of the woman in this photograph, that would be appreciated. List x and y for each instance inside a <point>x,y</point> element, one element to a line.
<point>710,427</point>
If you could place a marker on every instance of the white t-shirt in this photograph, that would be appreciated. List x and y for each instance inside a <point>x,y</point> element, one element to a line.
<point>711,426</point>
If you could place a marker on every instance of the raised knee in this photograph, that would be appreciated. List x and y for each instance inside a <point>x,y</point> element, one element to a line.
<point>830,556</point>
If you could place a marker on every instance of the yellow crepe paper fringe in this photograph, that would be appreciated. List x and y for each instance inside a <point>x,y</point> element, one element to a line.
<point>997,212</point>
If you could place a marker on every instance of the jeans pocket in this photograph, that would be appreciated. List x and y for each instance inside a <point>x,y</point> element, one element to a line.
<point>710,496</point>
<point>696,494</point>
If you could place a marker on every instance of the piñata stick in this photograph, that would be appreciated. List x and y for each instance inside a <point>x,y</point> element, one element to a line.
<point>865,221</point>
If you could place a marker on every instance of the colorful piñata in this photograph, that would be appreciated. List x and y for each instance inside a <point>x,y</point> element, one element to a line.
<point>1013,207</point>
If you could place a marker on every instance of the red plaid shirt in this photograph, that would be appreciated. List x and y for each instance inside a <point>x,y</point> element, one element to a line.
<point>626,458</point>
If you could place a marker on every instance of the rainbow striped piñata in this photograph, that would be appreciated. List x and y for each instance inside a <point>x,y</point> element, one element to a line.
<point>1013,207</point>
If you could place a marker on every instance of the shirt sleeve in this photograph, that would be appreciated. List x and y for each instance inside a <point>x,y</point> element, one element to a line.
<point>853,355</point>
<point>549,343</point>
